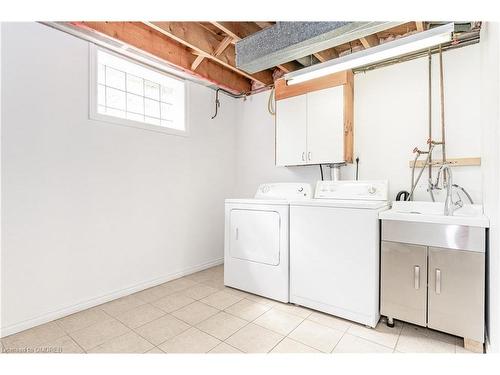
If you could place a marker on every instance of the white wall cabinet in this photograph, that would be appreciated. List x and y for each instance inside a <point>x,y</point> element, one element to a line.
<point>310,128</point>
<point>291,131</point>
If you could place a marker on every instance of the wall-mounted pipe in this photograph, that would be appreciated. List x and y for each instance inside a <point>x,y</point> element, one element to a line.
<point>430,116</point>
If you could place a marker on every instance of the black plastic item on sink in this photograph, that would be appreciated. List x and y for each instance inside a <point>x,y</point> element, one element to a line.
<point>402,194</point>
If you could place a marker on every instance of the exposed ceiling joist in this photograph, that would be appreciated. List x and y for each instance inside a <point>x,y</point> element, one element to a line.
<point>237,30</point>
<point>196,37</point>
<point>138,35</point>
<point>370,41</point>
<point>286,41</point>
<point>263,25</point>
<point>420,25</point>
<point>197,62</point>
<point>328,54</point>
<point>220,48</point>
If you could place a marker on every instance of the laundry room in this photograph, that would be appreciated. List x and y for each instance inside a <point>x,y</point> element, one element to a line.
<point>303,187</point>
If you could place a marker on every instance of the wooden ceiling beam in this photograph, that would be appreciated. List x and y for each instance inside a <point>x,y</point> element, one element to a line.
<point>264,24</point>
<point>196,37</point>
<point>290,66</point>
<point>196,63</point>
<point>326,55</point>
<point>237,30</point>
<point>220,48</point>
<point>370,41</point>
<point>138,35</point>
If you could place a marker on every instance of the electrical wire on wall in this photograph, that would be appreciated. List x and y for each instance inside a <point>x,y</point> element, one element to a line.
<point>271,103</point>
<point>244,96</point>
<point>357,168</point>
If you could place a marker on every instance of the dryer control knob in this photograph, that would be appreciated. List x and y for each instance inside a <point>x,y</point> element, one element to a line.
<point>372,190</point>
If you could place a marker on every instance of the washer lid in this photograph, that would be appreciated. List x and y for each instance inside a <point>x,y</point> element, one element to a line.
<point>342,203</point>
<point>353,190</point>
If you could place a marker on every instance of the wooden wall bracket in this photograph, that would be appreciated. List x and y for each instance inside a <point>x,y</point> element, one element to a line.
<point>454,162</point>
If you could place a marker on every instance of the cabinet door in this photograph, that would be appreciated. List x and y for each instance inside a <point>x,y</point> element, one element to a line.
<point>456,292</point>
<point>325,126</point>
<point>291,131</point>
<point>403,282</point>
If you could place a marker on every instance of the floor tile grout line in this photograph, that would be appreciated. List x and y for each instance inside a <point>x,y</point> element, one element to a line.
<point>220,341</point>
<point>113,338</point>
<point>161,343</point>
<point>374,342</point>
<point>173,316</point>
<point>291,338</point>
<point>77,344</point>
<point>309,346</point>
<point>337,343</point>
<point>399,336</point>
<point>280,333</point>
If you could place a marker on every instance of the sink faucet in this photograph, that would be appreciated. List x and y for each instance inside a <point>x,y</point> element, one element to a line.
<point>449,205</point>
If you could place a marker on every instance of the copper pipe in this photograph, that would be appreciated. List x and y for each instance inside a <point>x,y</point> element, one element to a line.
<point>441,85</point>
<point>430,112</point>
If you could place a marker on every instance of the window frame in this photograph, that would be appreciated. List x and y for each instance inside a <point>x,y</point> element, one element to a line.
<point>93,88</point>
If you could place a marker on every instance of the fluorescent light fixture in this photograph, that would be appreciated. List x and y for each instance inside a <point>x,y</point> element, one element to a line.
<point>398,47</point>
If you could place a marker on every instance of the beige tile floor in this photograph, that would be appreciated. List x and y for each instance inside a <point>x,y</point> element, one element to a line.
<point>198,314</point>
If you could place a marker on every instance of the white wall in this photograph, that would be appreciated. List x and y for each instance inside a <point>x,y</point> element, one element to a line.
<point>490,125</point>
<point>91,210</point>
<point>390,120</point>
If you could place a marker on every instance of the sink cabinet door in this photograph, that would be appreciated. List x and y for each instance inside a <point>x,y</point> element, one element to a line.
<point>456,292</point>
<point>403,282</point>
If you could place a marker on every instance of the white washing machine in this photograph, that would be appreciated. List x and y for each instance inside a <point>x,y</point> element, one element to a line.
<point>334,249</point>
<point>256,251</point>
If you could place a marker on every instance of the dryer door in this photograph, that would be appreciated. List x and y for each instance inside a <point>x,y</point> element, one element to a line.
<point>255,236</point>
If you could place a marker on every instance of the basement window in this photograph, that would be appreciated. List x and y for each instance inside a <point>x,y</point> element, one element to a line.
<point>129,93</point>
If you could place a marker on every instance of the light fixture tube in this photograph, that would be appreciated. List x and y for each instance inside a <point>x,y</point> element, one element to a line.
<point>398,47</point>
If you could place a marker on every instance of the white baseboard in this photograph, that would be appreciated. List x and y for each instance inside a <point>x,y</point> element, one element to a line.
<point>45,318</point>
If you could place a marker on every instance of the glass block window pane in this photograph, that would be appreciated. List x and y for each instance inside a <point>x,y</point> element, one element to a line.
<point>135,103</point>
<point>152,90</point>
<point>166,94</point>
<point>115,98</point>
<point>135,93</point>
<point>135,85</point>
<point>115,78</point>
<point>152,108</point>
<point>166,111</point>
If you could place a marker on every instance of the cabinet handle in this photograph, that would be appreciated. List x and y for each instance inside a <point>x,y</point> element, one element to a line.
<point>416,275</point>
<point>303,156</point>
<point>237,233</point>
<point>438,281</point>
<point>309,155</point>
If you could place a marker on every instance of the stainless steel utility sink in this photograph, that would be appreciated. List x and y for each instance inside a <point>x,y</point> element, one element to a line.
<point>433,212</point>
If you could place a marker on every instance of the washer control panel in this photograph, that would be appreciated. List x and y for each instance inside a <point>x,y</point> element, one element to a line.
<point>357,190</point>
<point>284,190</point>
